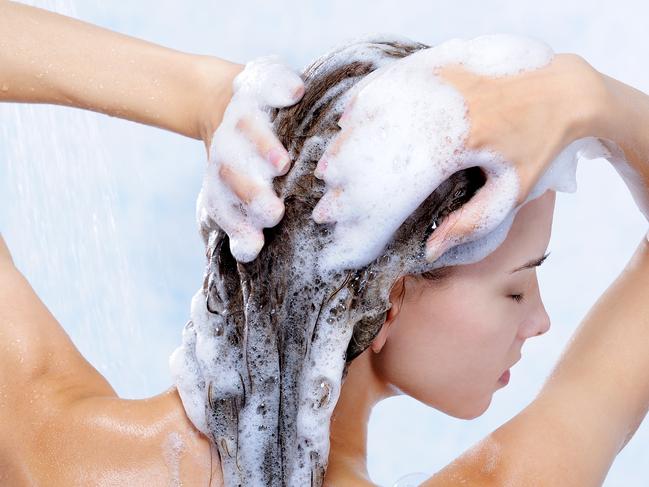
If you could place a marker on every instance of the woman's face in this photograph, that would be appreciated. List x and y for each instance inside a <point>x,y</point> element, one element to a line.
<point>448,343</point>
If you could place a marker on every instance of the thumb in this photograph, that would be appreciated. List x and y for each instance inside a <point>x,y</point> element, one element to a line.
<point>478,217</point>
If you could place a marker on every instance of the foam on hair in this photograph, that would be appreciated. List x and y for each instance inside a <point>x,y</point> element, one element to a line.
<point>407,134</point>
<point>263,358</point>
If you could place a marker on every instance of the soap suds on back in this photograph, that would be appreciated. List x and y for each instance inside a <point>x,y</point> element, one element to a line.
<point>172,448</point>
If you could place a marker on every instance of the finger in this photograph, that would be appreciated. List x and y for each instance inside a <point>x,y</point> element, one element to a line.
<point>283,87</point>
<point>476,218</point>
<point>326,209</point>
<point>243,187</point>
<point>266,143</point>
<point>245,242</point>
<point>262,203</point>
<point>266,208</point>
<point>333,149</point>
<point>346,112</point>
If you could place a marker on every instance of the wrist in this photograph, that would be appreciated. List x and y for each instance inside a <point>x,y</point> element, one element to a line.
<point>624,120</point>
<point>586,101</point>
<point>215,77</point>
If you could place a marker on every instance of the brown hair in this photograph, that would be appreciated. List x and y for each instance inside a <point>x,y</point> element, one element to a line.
<point>273,319</point>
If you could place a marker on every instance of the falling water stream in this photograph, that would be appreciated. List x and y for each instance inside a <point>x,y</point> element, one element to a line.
<point>58,197</point>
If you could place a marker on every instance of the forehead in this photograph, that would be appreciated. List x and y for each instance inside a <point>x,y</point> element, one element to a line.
<point>527,239</point>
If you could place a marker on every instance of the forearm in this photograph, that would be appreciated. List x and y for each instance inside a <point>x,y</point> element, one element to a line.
<point>621,115</point>
<point>51,58</point>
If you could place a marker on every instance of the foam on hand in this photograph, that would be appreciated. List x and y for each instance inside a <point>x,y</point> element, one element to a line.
<point>406,135</point>
<point>264,83</point>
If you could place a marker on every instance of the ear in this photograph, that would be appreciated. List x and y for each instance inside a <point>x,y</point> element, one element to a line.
<point>396,300</point>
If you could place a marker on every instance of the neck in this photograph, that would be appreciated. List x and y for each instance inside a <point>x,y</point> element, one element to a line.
<point>361,391</point>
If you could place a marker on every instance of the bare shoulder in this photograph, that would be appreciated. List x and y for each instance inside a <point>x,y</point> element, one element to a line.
<point>61,423</point>
<point>105,441</point>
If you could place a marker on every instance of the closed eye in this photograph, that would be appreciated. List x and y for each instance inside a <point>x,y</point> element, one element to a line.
<point>517,297</point>
<point>532,263</point>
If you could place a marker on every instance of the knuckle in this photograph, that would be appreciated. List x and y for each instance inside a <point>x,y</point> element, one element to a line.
<point>243,124</point>
<point>224,171</point>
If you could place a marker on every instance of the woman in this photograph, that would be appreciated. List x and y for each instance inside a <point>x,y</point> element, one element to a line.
<point>63,439</point>
<point>279,317</point>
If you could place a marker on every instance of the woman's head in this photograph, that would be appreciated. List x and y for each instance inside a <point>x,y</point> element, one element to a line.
<point>447,341</point>
<point>266,350</point>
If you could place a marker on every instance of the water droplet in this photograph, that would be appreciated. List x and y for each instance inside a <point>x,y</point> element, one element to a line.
<point>331,321</point>
<point>261,409</point>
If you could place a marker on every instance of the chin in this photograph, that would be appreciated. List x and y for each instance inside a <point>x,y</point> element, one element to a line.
<point>471,410</point>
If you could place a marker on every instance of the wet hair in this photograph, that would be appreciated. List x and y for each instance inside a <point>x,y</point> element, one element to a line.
<point>316,116</point>
<point>286,332</point>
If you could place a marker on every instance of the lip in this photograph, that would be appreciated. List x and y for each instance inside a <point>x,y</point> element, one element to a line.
<point>504,379</point>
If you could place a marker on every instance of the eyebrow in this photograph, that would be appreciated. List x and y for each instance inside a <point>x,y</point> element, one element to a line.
<point>532,263</point>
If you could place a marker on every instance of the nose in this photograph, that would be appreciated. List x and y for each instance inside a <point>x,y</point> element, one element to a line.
<point>543,322</point>
<point>537,322</point>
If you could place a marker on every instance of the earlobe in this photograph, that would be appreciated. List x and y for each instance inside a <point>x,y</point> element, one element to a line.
<point>382,335</point>
<point>396,298</point>
<point>380,338</point>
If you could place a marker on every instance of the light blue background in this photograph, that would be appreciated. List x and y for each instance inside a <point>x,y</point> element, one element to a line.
<point>99,212</point>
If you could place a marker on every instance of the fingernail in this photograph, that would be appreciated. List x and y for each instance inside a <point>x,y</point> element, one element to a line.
<point>320,168</point>
<point>279,158</point>
<point>268,208</point>
<point>298,92</point>
<point>318,214</point>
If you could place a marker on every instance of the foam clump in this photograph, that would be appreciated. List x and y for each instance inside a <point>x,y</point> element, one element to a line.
<point>264,83</point>
<point>561,176</point>
<point>405,135</point>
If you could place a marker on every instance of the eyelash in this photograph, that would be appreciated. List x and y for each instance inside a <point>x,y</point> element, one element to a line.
<point>517,297</point>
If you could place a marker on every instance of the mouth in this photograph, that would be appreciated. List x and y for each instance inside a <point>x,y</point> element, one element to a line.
<point>504,379</point>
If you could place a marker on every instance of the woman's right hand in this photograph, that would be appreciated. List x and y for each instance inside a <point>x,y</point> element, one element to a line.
<point>244,157</point>
<point>527,118</point>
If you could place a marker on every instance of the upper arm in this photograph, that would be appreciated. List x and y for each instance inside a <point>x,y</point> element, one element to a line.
<point>5,256</point>
<point>39,364</point>
<point>538,447</point>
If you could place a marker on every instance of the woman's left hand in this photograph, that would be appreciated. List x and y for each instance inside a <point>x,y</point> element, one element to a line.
<point>522,118</point>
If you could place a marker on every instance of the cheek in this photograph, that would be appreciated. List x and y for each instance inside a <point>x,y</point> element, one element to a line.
<point>449,353</point>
